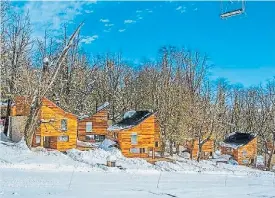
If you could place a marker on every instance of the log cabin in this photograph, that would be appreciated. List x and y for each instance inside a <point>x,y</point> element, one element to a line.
<point>192,146</point>
<point>137,134</point>
<point>57,130</point>
<point>94,128</point>
<point>241,146</point>
<point>269,147</point>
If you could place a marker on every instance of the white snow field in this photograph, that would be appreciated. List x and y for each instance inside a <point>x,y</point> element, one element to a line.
<point>41,173</point>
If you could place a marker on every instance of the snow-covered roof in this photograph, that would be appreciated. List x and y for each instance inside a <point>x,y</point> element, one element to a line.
<point>103,106</point>
<point>236,139</point>
<point>130,119</point>
<point>82,116</point>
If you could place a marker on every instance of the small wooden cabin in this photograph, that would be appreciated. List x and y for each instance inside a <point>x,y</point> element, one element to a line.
<point>241,146</point>
<point>94,128</point>
<point>269,145</point>
<point>192,146</point>
<point>137,134</point>
<point>58,128</point>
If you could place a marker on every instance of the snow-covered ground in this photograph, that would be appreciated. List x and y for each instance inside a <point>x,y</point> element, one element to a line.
<point>41,173</point>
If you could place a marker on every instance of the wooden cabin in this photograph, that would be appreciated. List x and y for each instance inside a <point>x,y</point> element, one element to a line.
<point>241,146</point>
<point>94,128</point>
<point>137,134</point>
<point>192,146</point>
<point>57,130</point>
<point>269,147</point>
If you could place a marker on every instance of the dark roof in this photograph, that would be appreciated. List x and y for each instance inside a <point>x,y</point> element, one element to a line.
<point>130,121</point>
<point>238,139</point>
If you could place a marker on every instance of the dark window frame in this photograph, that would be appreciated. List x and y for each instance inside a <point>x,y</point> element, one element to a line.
<point>66,124</point>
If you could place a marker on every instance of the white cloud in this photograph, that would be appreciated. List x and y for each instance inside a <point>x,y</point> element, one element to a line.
<point>89,11</point>
<point>196,9</point>
<point>181,9</point>
<point>109,25</point>
<point>108,30</point>
<point>104,20</point>
<point>128,21</point>
<point>138,11</point>
<point>88,39</point>
<point>121,30</point>
<point>139,17</point>
<point>51,16</point>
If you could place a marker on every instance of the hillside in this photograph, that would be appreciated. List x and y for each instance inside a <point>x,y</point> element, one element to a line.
<point>44,173</point>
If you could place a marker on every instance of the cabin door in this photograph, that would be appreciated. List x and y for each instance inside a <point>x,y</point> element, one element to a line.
<point>46,142</point>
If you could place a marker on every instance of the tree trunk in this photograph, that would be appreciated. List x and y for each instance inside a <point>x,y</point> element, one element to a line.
<point>270,155</point>
<point>6,126</point>
<point>178,149</point>
<point>162,149</point>
<point>171,147</point>
<point>31,123</point>
<point>199,152</point>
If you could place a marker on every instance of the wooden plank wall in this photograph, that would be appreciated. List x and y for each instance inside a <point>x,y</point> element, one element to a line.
<point>207,148</point>
<point>147,133</point>
<point>22,105</point>
<point>229,151</point>
<point>247,153</point>
<point>269,146</point>
<point>100,125</point>
<point>53,115</point>
<point>244,155</point>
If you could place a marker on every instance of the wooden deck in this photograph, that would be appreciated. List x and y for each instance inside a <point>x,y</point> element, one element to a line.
<point>159,159</point>
<point>83,148</point>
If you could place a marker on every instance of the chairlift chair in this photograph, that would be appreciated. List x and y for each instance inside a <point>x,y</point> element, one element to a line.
<point>232,13</point>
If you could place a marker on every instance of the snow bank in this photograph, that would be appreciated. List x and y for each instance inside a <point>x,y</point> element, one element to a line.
<point>17,155</point>
<point>3,137</point>
<point>99,157</point>
<point>107,144</point>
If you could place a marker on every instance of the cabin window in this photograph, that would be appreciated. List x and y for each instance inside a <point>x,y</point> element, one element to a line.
<point>99,138</point>
<point>156,144</point>
<point>89,126</point>
<point>134,150</point>
<point>134,138</point>
<point>89,137</point>
<point>142,150</point>
<point>37,139</point>
<point>63,138</point>
<point>64,125</point>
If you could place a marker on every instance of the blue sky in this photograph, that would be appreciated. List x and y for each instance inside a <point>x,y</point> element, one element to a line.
<point>241,48</point>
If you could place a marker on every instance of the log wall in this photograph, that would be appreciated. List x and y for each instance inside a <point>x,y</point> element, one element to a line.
<point>99,125</point>
<point>244,155</point>
<point>148,133</point>
<point>207,148</point>
<point>50,116</point>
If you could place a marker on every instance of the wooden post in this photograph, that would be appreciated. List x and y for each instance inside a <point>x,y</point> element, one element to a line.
<point>41,141</point>
<point>153,153</point>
